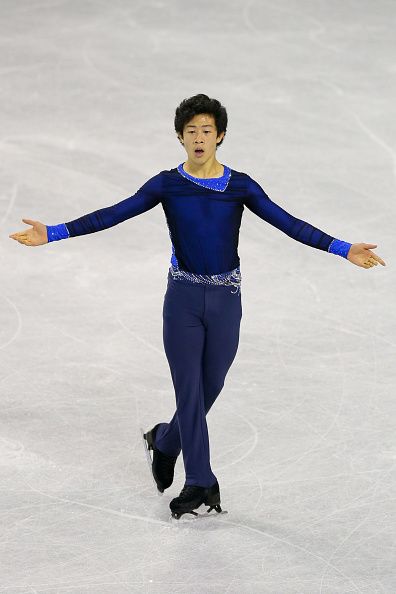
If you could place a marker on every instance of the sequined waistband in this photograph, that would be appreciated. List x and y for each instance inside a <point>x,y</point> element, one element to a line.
<point>231,278</point>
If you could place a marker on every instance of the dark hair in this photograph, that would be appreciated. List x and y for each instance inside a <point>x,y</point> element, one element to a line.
<point>198,104</point>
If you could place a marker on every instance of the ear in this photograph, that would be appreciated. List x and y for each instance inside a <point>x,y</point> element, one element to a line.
<point>220,137</point>
<point>180,138</point>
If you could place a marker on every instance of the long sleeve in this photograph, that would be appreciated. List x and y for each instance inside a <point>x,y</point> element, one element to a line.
<point>148,196</point>
<point>258,202</point>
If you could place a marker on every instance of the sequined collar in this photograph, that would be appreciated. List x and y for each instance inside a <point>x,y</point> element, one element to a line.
<point>212,183</point>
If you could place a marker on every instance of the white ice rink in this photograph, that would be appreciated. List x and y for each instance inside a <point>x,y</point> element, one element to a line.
<point>303,434</point>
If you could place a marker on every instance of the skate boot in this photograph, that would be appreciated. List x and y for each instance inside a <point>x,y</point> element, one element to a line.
<point>192,497</point>
<point>162,466</point>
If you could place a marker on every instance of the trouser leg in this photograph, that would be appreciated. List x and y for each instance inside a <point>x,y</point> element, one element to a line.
<point>201,335</point>
<point>184,339</point>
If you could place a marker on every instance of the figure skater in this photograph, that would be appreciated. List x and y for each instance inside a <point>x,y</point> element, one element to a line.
<point>203,201</point>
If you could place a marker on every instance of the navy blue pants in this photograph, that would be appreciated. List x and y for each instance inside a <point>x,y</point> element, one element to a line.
<point>201,335</point>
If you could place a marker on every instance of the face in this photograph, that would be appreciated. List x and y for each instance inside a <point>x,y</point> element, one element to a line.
<point>200,138</point>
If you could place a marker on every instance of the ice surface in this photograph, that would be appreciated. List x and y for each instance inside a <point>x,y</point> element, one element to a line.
<point>303,433</point>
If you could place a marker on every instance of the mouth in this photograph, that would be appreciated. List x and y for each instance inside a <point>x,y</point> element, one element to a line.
<point>198,152</point>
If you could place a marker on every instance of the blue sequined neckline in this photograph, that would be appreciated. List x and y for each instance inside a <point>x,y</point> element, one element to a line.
<point>212,183</point>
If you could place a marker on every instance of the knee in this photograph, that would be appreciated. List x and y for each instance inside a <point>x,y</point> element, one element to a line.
<point>211,393</point>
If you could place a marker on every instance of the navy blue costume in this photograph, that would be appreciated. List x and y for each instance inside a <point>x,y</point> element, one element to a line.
<point>201,312</point>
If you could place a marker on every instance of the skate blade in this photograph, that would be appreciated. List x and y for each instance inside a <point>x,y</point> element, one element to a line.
<point>193,516</point>
<point>149,460</point>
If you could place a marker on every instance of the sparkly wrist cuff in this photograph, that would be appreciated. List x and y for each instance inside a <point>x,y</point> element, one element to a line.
<point>340,248</point>
<point>57,232</point>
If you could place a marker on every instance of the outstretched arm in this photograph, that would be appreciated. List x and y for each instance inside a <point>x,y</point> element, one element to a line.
<point>148,196</point>
<point>258,202</point>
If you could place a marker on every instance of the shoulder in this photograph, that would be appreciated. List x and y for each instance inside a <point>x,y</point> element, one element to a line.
<point>170,172</point>
<point>157,180</point>
<point>251,188</point>
<point>241,175</point>
<point>164,174</point>
<point>169,175</point>
<point>241,179</point>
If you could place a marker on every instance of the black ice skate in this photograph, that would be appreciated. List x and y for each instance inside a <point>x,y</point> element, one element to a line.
<point>162,466</point>
<point>192,497</point>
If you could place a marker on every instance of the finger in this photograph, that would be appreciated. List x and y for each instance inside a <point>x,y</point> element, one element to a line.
<point>370,245</point>
<point>377,258</point>
<point>30,222</point>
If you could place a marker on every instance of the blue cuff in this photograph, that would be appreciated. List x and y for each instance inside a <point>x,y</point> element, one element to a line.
<point>340,248</point>
<point>57,232</point>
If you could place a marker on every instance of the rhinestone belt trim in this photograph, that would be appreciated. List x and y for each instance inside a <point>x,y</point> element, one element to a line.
<point>231,278</point>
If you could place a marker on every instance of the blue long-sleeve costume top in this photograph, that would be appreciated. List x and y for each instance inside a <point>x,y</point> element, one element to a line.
<point>203,218</point>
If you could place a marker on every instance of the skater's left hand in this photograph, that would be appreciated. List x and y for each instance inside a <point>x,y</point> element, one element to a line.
<point>361,255</point>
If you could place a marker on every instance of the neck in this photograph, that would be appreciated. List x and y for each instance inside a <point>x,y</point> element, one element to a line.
<point>211,168</point>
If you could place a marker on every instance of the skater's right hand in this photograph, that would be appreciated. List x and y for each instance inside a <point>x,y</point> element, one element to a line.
<point>37,235</point>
